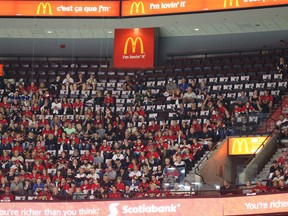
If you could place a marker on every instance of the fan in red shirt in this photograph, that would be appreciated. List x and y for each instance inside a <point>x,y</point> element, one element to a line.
<point>247,108</point>
<point>266,101</point>
<point>66,106</point>
<point>153,127</point>
<point>32,88</point>
<point>4,104</point>
<point>35,108</point>
<point>85,187</point>
<point>108,99</point>
<point>114,194</point>
<point>119,184</point>
<point>24,122</point>
<point>259,188</point>
<point>63,186</point>
<point>38,166</point>
<point>195,124</point>
<point>87,156</point>
<point>237,110</point>
<point>153,191</point>
<point>7,196</point>
<point>39,148</point>
<point>44,195</point>
<point>174,126</point>
<point>43,122</point>
<point>144,184</point>
<point>138,146</point>
<point>155,181</point>
<point>17,147</point>
<point>27,113</point>
<point>3,120</point>
<point>34,176</point>
<point>152,153</point>
<point>78,107</point>
<point>283,158</point>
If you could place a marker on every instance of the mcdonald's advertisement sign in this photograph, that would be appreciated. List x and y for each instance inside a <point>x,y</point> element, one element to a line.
<point>157,7</point>
<point>61,8</point>
<point>245,145</point>
<point>134,48</point>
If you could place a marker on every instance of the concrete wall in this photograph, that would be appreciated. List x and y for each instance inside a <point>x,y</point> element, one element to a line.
<point>218,167</point>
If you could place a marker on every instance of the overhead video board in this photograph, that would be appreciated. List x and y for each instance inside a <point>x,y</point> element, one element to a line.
<point>60,8</point>
<point>158,7</point>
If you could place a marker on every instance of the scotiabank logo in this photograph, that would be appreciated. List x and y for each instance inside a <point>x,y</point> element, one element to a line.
<point>231,3</point>
<point>142,209</point>
<point>240,146</point>
<point>43,7</point>
<point>135,8</point>
<point>133,43</point>
<point>113,210</point>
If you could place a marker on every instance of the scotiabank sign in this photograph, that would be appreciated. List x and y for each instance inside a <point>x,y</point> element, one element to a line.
<point>259,204</point>
<point>245,145</point>
<point>134,48</point>
<point>155,7</point>
<point>60,8</point>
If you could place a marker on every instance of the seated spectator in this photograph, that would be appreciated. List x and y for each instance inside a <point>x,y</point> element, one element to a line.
<point>91,82</point>
<point>114,194</point>
<point>56,84</point>
<point>171,87</point>
<point>266,102</point>
<point>260,187</point>
<point>189,96</point>
<point>183,86</point>
<point>242,99</point>
<point>128,84</point>
<point>227,188</point>
<point>283,158</point>
<point>109,100</point>
<point>7,196</point>
<point>282,125</point>
<point>282,66</point>
<point>247,188</point>
<point>206,138</point>
<point>68,82</point>
<point>79,83</point>
<point>202,88</point>
<point>38,186</point>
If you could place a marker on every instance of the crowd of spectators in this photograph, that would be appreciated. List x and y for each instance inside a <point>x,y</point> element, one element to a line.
<point>95,153</point>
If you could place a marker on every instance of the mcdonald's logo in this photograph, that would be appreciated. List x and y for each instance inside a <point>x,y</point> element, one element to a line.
<point>231,3</point>
<point>240,146</point>
<point>44,7</point>
<point>134,43</point>
<point>137,8</point>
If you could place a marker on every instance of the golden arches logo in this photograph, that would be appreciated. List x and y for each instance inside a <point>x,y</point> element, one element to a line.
<point>231,3</point>
<point>133,44</point>
<point>44,7</point>
<point>240,146</point>
<point>137,8</point>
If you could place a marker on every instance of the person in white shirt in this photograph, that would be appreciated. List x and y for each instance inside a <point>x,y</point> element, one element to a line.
<point>56,106</point>
<point>189,96</point>
<point>68,82</point>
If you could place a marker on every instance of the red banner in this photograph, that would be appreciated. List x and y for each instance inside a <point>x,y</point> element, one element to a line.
<point>134,48</point>
<point>155,7</point>
<point>245,205</point>
<point>60,8</point>
<point>1,70</point>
